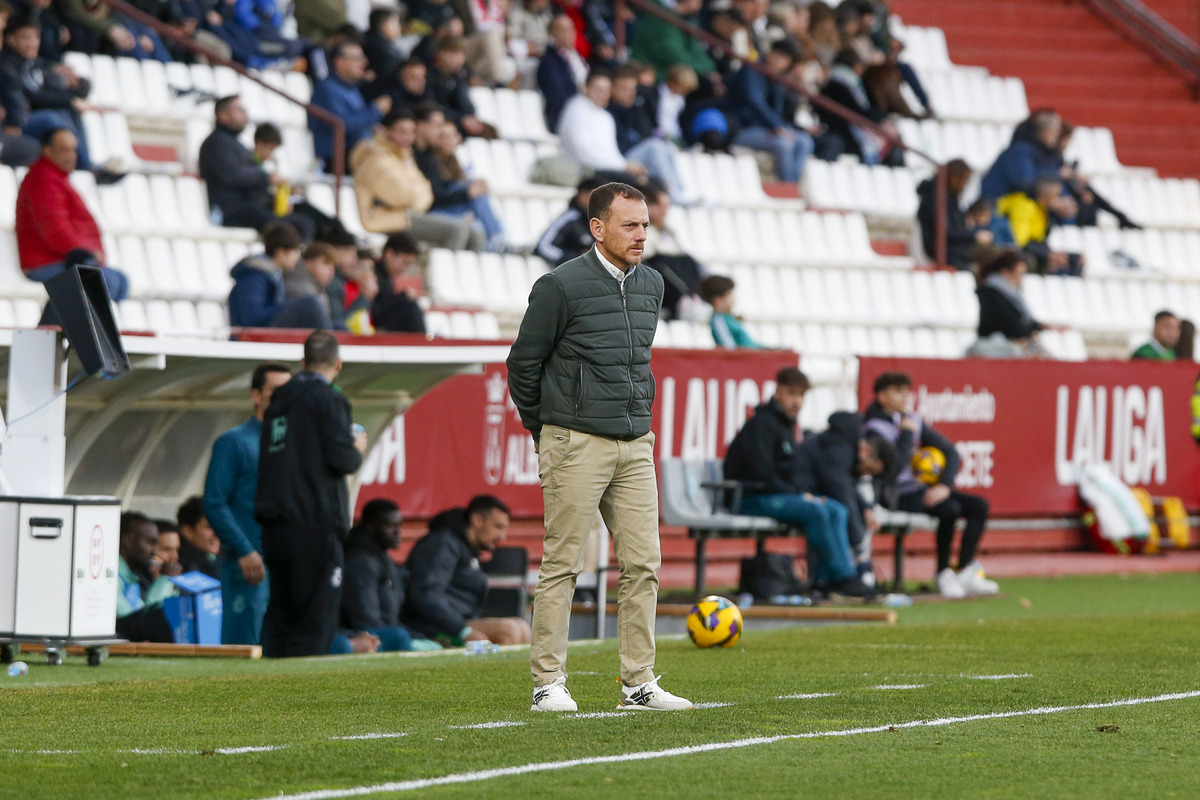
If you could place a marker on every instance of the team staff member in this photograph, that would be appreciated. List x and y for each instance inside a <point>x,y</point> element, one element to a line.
<point>306,452</point>
<point>579,373</point>
<point>229,490</point>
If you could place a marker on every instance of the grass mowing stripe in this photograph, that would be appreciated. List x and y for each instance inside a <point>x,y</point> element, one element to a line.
<point>648,755</point>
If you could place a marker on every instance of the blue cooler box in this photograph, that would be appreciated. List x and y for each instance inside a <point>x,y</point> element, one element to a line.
<point>195,615</point>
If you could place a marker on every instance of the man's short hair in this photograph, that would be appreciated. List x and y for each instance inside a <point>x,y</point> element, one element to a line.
<point>958,168</point>
<point>785,48</point>
<point>320,349</point>
<point>49,135</point>
<point>402,242</point>
<point>625,72</point>
<point>848,57</point>
<point>453,44</point>
<point>379,16</point>
<point>280,235</point>
<point>979,206</point>
<point>131,518</point>
<point>1164,314</point>
<point>337,235</point>
<point>322,250</point>
<point>715,286</point>
<point>258,379</point>
<point>395,115</point>
<point>590,184</point>
<point>191,512</point>
<point>485,504</point>
<point>887,380</point>
<point>19,21</point>
<point>377,509</point>
<point>654,190</point>
<point>266,133</point>
<point>600,204</point>
<point>683,75</point>
<point>339,49</point>
<point>793,378</point>
<point>412,62</point>
<point>424,110</point>
<point>883,450</point>
<point>596,74</point>
<point>224,102</point>
<point>166,526</point>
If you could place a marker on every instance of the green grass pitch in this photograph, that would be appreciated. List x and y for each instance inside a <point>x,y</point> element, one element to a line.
<point>176,728</point>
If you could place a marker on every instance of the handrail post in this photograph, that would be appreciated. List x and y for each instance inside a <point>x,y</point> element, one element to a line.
<point>943,208</point>
<point>620,11</point>
<point>339,167</point>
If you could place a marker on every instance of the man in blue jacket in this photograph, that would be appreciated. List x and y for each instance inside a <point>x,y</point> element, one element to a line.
<point>766,111</point>
<point>1033,154</point>
<point>257,299</point>
<point>341,94</point>
<point>229,507</point>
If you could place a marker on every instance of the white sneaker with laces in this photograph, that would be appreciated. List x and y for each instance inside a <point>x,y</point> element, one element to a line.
<point>948,585</point>
<point>649,696</point>
<point>554,697</point>
<point>973,582</point>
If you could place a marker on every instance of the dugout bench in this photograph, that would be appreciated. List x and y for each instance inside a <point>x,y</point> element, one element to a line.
<point>696,496</point>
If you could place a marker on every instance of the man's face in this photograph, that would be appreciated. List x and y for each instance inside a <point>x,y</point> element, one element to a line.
<point>688,7</point>
<point>450,61</point>
<point>322,271</point>
<point>599,91</point>
<point>790,400</point>
<point>868,463</point>
<point>658,208</point>
<point>412,78</point>
<point>234,117</point>
<point>26,42</point>
<point>487,528</point>
<point>386,530</point>
<point>623,235</point>
<point>894,399</point>
<point>427,131</point>
<point>402,133</point>
<point>562,31</point>
<point>62,151</point>
<point>202,536</point>
<point>262,399</point>
<point>1166,331</point>
<point>167,551</point>
<point>779,63</point>
<point>447,138</point>
<point>1050,134</point>
<point>397,264</point>
<point>351,65</point>
<point>139,544</point>
<point>624,92</point>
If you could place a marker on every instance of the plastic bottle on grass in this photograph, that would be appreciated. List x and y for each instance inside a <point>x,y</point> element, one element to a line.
<point>745,600</point>
<point>479,648</point>
<point>897,601</point>
<point>17,669</point>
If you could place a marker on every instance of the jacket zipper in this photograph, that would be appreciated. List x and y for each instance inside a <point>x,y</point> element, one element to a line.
<point>629,372</point>
<point>579,390</point>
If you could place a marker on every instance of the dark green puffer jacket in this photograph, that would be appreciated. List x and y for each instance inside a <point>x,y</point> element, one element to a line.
<point>582,357</point>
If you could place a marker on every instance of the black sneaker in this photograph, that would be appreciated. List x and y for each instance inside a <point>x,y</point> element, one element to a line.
<point>854,587</point>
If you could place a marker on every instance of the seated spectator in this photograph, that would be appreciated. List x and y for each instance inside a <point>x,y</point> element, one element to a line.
<point>529,34</point>
<point>662,45</point>
<point>373,584</point>
<point>55,35</point>
<point>263,22</point>
<point>766,111</point>
<point>166,552</point>
<point>96,26</point>
<point>1004,318</point>
<point>485,50</point>
<point>454,193</point>
<point>199,545</point>
<point>981,216</point>
<point>1032,154</point>
<point>429,16</point>
<point>257,299</point>
<point>341,95</point>
<point>361,291</point>
<point>570,234</point>
<point>385,45</point>
<point>782,483</point>
<point>1030,219</point>
<point>589,138</point>
<point>888,416</point>
<point>395,308</point>
<point>312,277</point>
<point>845,87</point>
<point>562,71</point>
<point>394,195</point>
<point>448,83</point>
<point>240,191</point>
<point>961,238</point>
<point>446,587</point>
<point>682,274</point>
<point>40,95</point>
<point>1163,341</point>
<point>54,228</point>
<point>140,616</point>
<point>407,85</point>
<point>672,99</point>
<point>727,330</point>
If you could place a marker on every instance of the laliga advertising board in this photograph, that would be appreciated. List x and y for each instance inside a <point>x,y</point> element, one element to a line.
<point>1022,428</point>
<point>465,437</point>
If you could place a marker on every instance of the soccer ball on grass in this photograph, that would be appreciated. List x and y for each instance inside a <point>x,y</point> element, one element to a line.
<point>714,621</point>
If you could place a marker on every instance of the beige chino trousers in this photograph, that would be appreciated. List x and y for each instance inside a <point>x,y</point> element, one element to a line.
<point>580,474</point>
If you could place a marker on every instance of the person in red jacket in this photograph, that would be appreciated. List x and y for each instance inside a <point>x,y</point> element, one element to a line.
<point>52,219</point>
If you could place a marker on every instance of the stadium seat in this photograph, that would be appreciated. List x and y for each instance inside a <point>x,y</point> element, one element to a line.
<point>437,323</point>
<point>462,325</point>
<point>487,326</point>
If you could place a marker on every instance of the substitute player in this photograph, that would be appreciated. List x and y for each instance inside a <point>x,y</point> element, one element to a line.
<point>579,373</point>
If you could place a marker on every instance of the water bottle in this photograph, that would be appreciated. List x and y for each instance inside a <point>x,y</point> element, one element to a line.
<point>745,600</point>
<point>216,216</point>
<point>17,669</point>
<point>779,600</point>
<point>897,601</point>
<point>479,648</point>
<point>799,600</point>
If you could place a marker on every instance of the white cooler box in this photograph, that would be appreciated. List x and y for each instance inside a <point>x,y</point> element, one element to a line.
<point>58,567</point>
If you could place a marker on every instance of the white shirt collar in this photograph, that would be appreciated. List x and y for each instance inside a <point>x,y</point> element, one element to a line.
<point>613,269</point>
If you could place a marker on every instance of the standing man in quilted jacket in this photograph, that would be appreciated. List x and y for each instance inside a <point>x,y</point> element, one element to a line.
<point>579,373</point>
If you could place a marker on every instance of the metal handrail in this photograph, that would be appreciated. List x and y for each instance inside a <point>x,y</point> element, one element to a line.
<point>724,47</point>
<point>328,117</point>
<point>1162,40</point>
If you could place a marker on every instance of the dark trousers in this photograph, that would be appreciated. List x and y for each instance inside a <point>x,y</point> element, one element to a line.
<point>304,566</point>
<point>958,505</point>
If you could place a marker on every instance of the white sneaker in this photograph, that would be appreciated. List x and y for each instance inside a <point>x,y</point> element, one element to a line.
<point>553,697</point>
<point>948,585</point>
<point>650,697</point>
<point>973,582</point>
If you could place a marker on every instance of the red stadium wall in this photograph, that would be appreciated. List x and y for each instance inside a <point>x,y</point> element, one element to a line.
<point>1023,427</point>
<point>465,437</point>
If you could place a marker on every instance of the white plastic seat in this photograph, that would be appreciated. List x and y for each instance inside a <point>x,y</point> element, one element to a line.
<point>106,83</point>
<point>212,316</point>
<point>445,286</point>
<point>133,90</point>
<point>462,325</point>
<point>533,115</point>
<point>133,316</point>
<point>120,144</point>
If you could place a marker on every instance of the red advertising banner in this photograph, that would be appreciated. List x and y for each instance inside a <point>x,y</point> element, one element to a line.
<point>1023,428</point>
<point>465,437</point>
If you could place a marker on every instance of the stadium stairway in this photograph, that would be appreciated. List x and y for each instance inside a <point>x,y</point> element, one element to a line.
<point>1071,60</point>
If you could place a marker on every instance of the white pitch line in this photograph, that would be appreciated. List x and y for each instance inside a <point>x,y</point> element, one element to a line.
<point>361,736</point>
<point>599,715</point>
<point>1000,677</point>
<point>485,725</point>
<point>650,755</point>
<point>806,696</point>
<point>711,705</point>
<point>899,686</point>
